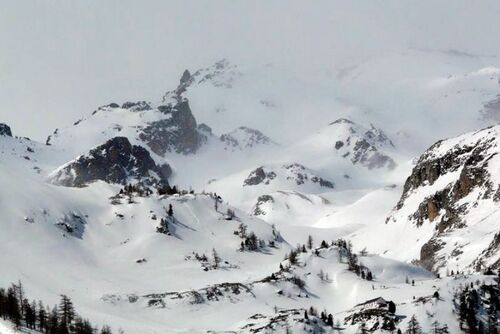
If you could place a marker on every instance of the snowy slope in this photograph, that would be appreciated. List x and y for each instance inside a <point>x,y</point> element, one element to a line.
<point>243,188</point>
<point>119,270</point>
<point>321,152</point>
<point>447,216</point>
<point>291,208</point>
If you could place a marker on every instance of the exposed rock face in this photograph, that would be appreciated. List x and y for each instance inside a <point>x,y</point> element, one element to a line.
<point>176,133</point>
<point>5,130</point>
<point>116,161</point>
<point>261,200</point>
<point>301,175</point>
<point>243,137</point>
<point>259,176</point>
<point>137,106</point>
<point>294,172</point>
<point>455,185</point>
<point>363,146</point>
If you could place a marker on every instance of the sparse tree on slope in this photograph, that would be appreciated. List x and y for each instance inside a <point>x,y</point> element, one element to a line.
<point>217,259</point>
<point>310,242</point>
<point>413,326</point>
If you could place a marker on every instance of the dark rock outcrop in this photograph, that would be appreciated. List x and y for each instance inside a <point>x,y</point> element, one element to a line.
<point>261,200</point>
<point>363,146</point>
<point>137,106</point>
<point>176,133</point>
<point>5,130</point>
<point>295,172</point>
<point>259,176</point>
<point>116,161</point>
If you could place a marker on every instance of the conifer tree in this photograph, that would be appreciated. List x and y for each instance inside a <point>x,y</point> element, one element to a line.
<point>310,242</point>
<point>413,326</point>
<point>66,310</point>
<point>217,259</point>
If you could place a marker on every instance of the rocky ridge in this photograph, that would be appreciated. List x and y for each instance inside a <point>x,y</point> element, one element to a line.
<point>454,185</point>
<point>116,161</point>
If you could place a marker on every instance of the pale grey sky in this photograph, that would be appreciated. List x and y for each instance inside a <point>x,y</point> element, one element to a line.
<point>59,60</point>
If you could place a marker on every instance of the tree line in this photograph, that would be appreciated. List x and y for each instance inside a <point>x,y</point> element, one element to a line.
<point>16,307</point>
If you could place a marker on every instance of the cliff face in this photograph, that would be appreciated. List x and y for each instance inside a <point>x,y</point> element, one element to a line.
<point>455,184</point>
<point>116,161</point>
<point>175,133</point>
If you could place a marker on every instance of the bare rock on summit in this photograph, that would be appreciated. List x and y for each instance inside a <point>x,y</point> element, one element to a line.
<point>116,161</point>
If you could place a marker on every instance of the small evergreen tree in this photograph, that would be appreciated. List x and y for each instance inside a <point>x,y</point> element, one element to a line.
<point>413,326</point>
<point>310,242</point>
<point>217,259</point>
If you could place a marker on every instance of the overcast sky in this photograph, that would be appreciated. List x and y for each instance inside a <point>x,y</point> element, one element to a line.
<point>59,60</point>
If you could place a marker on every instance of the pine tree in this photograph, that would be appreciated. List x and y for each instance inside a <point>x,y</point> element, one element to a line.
<point>42,317</point>
<point>217,259</point>
<point>292,257</point>
<point>310,242</point>
<point>66,311</point>
<point>413,326</point>
<point>329,322</point>
<point>20,295</point>
<point>13,309</point>
<point>242,230</point>
<point>105,330</point>
<point>30,314</point>
<point>3,299</point>
<point>53,321</point>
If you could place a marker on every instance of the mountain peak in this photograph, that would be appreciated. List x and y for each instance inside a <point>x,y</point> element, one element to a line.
<point>366,146</point>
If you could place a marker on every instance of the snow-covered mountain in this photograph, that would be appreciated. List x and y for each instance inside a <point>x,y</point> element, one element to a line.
<point>453,194</point>
<point>149,211</point>
<point>346,140</point>
<point>245,187</point>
